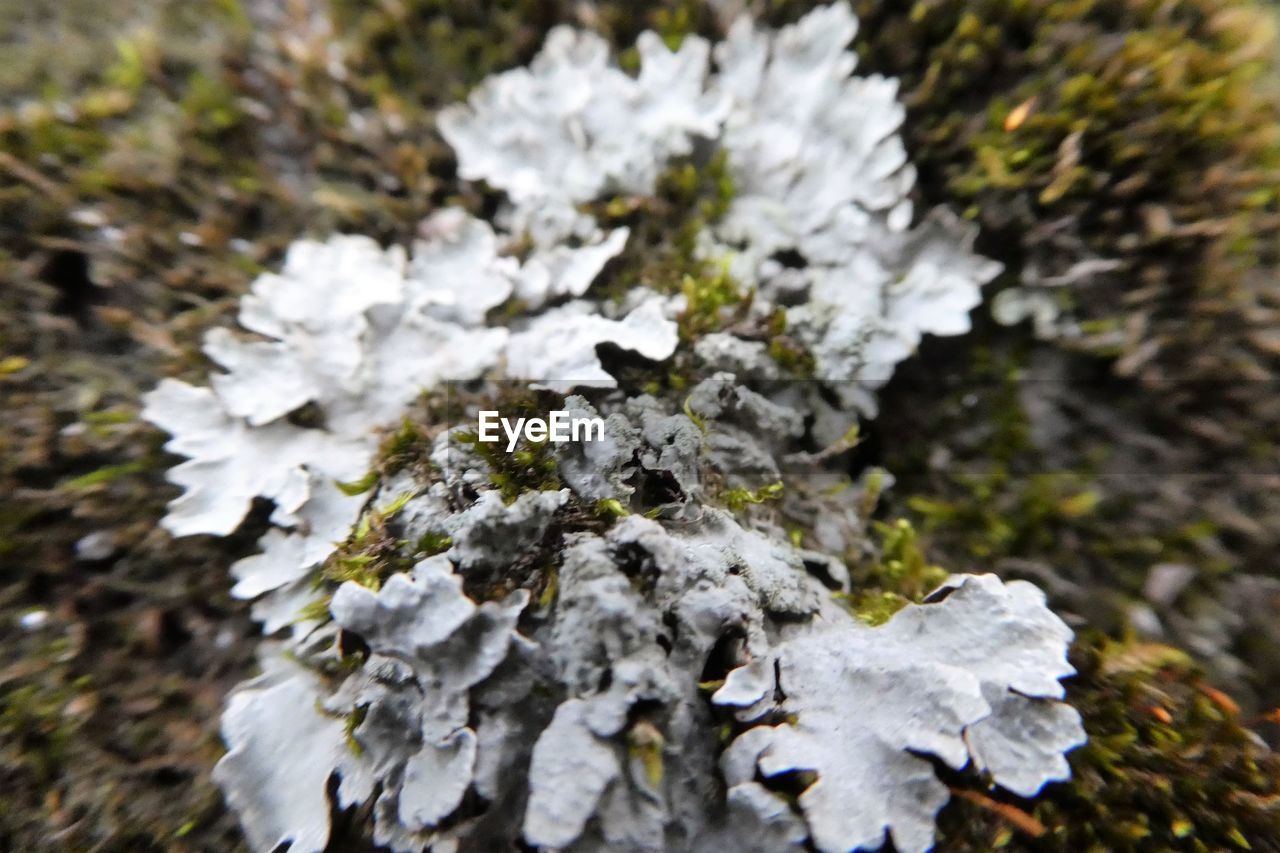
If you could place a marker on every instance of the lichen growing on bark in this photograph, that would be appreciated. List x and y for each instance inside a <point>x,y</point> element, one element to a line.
<point>158,166</point>
<point>599,694</point>
<point>602,690</point>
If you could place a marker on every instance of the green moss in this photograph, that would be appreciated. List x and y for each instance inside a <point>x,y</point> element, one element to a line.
<point>645,745</point>
<point>661,253</point>
<point>530,468</point>
<point>611,508</point>
<point>104,475</point>
<point>1169,766</point>
<point>352,722</point>
<point>1143,130</point>
<point>409,447</point>
<point>677,21</point>
<point>899,575</point>
<point>35,716</point>
<point>432,543</point>
<point>358,487</point>
<point>712,302</point>
<point>1001,515</point>
<point>990,490</point>
<point>372,553</point>
<point>739,498</point>
<point>791,355</point>
<point>432,49</point>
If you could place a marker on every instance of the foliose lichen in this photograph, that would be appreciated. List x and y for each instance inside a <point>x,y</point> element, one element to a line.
<point>586,645</point>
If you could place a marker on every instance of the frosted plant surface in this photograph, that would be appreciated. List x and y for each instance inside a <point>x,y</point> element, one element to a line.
<point>633,642</point>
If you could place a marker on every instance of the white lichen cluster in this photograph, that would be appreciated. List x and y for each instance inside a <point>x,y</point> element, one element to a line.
<point>819,170</point>
<point>597,664</point>
<point>359,332</point>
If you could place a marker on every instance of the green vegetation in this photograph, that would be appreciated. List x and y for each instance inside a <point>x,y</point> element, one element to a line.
<point>737,499</point>
<point>1079,506</point>
<point>1140,131</point>
<point>898,575</point>
<point>34,717</point>
<point>531,466</point>
<point>372,552</point>
<point>707,299</point>
<point>1170,765</point>
<point>662,255</point>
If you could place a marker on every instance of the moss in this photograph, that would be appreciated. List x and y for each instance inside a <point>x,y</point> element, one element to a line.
<point>645,745</point>
<point>63,732</point>
<point>373,552</point>
<point>530,468</point>
<point>433,49</point>
<point>358,487</point>
<point>899,574</point>
<point>1170,765</point>
<point>106,474</point>
<point>432,543</point>
<point>1137,130</point>
<point>791,355</point>
<point>163,157</point>
<point>352,722</point>
<point>712,302</point>
<point>739,498</point>
<point>35,716</point>
<point>1002,480</point>
<point>1001,515</point>
<point>611,508</point>
<point>370,555</point>
<point>661,253</point>
<point>409,447</point>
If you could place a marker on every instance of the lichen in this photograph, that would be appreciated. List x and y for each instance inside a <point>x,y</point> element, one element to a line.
<point>513,534</point>
<point>852,697</point>
<point>642,615</point>
<point>161,155</point>
<point>781,138</point>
